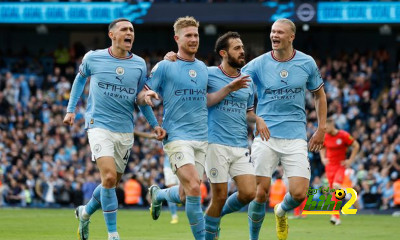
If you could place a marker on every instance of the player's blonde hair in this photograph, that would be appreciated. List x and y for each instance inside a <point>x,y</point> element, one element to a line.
<point>289,22</point>
<point>184,22</point>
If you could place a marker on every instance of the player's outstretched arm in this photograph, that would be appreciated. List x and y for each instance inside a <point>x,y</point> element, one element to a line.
<point>76,91</point>
<point>317,140</point>
<point>238,83</point>
<point>261,126</point>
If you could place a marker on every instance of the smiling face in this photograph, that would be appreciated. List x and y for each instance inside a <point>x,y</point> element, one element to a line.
<point>281,36</point>
<point>122,35</point>
<point>235,53</point>
<point>188,40</point>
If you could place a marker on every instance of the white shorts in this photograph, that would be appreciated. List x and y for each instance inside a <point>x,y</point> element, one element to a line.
<point>105,143</point>
<point>291,153</point>
<point>223,162</point>
<point>182,152</point>
<point>170,178</point>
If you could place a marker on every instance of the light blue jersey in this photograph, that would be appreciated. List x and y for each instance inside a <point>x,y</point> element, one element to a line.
<point>227,124</point>
<point>114,83</point>
<point>281,90</point>
<point>183,87</point>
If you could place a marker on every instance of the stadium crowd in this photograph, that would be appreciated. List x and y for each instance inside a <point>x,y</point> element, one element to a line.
<point>44,163</point>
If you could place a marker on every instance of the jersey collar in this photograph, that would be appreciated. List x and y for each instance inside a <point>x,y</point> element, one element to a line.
<point>183,59</point>
<point>223,71</point>
<point>130,55</point>
<point>287,60</point>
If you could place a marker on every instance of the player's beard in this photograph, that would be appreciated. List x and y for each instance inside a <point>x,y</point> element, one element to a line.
<point>236,63</point>
<point>190,50</point>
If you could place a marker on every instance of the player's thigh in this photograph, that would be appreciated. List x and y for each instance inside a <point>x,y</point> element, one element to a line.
<point>294,158</point>
<point>246,185</point>
<point>123,145</point>
<point>330,174</point>
<point>298,187</point>
<point>188,177</point>
<point>219,192</point>
<point>263,186</point>
<point>241,163</point>
<point>170,178</point>
<point>265,158</point>
<point>338,177</point>
<point>217,163</point>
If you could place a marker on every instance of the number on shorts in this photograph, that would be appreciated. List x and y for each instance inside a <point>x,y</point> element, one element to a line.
<point>126,157</point>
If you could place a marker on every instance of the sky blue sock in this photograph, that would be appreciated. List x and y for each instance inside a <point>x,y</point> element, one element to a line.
<point>170,194</point>
<point>212,225</point>
<point>109,204</point>
<point>172,208</point>
<point>195,216</point>
<point>232,205</point>
<point>256,215</point>
<point>289,203</point>
<point>94,203</point>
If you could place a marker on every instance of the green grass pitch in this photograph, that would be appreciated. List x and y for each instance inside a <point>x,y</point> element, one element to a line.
<point>60,224</point>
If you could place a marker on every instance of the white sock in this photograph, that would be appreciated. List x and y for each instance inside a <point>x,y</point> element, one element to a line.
<point>85,215</point>
<point>279,211</point>
<point>113,234</point>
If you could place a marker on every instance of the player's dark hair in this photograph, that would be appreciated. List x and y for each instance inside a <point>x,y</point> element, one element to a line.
<point>112,24</point>
<point>223,41</point>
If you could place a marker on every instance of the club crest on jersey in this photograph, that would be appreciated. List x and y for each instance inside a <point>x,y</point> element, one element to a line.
<point>192,73</point>
<point>338,141</point>
<point>284,73</point>
<point>120,71</point>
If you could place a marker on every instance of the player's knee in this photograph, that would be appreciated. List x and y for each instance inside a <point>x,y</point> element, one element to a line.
<point>246,196</point>
<point>299,196</point>
<point>109,180</point>
<point>193,188</point>
<point>262,195</point>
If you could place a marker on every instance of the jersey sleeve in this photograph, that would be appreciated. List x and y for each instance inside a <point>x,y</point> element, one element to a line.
<point>143,78</point>
<point>314,81</point>
<point>84,68</point>
<point>250,69</point>
<point>348,139</point>
<point>211,84</point>
<point>250,101</point>
<point>79,83</point>
<point>155,78</point>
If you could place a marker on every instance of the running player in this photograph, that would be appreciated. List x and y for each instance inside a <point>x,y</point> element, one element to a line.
<point>116,77</point>
<point>333,156</point>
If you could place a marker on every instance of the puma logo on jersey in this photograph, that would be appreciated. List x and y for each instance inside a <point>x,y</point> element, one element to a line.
<point>285,82</point>
<point>119,78</point>
<point>194,80</point>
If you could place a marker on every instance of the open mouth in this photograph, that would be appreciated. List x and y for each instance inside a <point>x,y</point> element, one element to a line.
<point>128,40</point>
<point>276,41</point>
